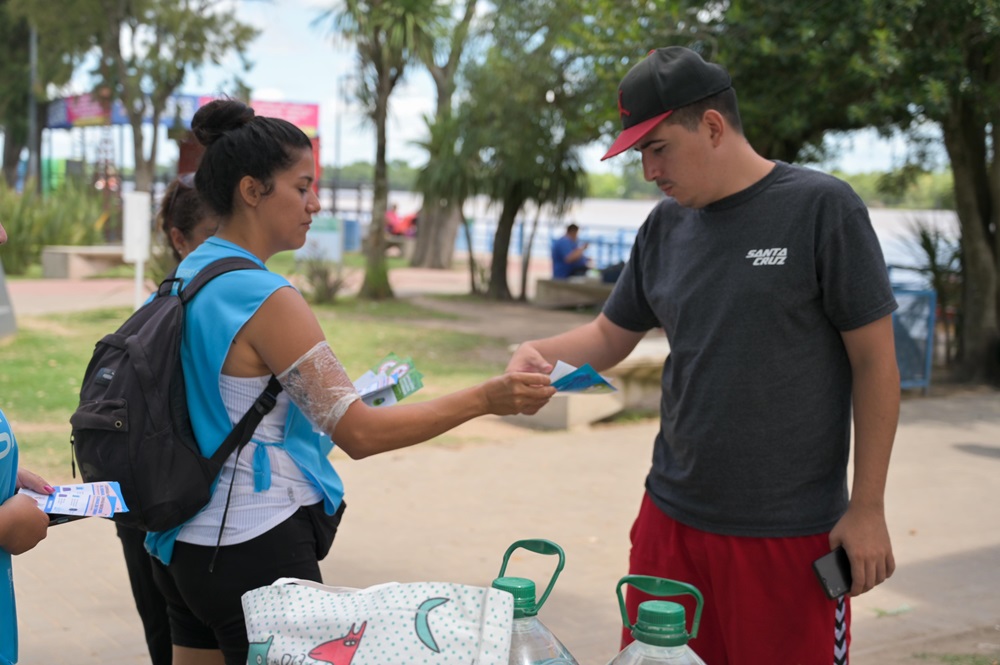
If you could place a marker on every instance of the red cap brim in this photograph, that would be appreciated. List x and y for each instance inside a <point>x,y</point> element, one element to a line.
<point>629,137</point>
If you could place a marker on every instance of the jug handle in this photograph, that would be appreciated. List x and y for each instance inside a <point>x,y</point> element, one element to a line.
<point>538,546</point>
<point>658,586</point>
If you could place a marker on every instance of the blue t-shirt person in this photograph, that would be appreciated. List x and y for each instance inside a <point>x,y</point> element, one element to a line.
<point>567,255</point>
<point>8,482</point>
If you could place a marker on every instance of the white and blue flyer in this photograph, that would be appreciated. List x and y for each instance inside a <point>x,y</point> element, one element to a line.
<point>102,499</point>
<point>584,380</point>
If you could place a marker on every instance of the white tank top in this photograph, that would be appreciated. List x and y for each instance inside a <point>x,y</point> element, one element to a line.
<point>252,513</point>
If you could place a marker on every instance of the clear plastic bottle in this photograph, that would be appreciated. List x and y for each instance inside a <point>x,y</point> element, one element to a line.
<point>531,641</point>
<point>661,637</point>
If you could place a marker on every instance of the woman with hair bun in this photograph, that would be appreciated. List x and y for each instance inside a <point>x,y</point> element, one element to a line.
<point>286,501</point>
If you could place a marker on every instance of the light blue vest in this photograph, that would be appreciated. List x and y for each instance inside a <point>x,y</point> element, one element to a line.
<point>8,481</point>
<point>211,322</point>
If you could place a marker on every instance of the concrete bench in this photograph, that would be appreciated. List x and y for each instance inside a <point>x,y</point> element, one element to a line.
<point>572,292</point>
<point>76,261</point>
<point>637,379</point>
<point>403,246</point>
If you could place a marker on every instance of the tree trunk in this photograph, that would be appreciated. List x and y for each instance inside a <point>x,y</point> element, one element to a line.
<point>12,147</point>
<point>980,333</point>
<point>143,167</point>
<point>512,203</point>
<point>376,285</point>
<point>437,230</point>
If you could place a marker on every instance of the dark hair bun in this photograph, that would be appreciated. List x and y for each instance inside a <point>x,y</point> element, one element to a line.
<point>217,117</point>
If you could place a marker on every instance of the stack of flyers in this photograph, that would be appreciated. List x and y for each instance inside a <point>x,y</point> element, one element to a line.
<point>389,381</point>
<point>102,499</point>
<point>566,378</point>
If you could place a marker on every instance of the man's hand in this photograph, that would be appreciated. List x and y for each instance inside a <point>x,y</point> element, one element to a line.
<point>527,359</point>
<point>864,534</point>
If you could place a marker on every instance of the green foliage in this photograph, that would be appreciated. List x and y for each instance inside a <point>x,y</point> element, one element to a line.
<point>41,367</point>
<point>324,278</point>
<point>68,216</point>
<point>145,49</point>
<point>910,191</point>
<point>956,658</point>
<point>401,176</point>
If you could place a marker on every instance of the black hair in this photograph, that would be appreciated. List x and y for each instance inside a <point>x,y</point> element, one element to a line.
<point>239,143</point>
<point>181,208</point>
<point>571,228</point>
<point>724,102</point>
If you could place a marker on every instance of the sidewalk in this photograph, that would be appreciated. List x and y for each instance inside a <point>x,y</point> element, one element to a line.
<point>447,511</point>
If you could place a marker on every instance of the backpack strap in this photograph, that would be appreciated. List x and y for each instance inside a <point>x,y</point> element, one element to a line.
<point>244,429</point>
<point>211,271</point>
<point>238,438</point>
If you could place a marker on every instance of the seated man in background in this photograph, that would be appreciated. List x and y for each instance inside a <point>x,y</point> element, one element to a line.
<point>567,255</point>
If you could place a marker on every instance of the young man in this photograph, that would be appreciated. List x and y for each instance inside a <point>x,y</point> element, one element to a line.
<point>567,255</point>
<point>772,289</point>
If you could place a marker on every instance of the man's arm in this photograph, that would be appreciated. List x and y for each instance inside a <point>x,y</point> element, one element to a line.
<point>862,530</point>
<point>599,342</point>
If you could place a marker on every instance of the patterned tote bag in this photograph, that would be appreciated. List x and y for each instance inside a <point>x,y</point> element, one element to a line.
<point>423,623</point>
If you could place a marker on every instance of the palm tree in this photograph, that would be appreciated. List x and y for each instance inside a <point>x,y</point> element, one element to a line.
<point>441,215</point>
<point>526,117</point>
<point>449,178</point>
<point>388,34</point>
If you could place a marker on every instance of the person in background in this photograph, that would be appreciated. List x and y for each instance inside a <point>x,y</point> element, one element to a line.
<point>22,525</point>
<point>392,221</point>
<point>286,502</point>
<point>568,259</point>
<point>185,223</point>
<point>183,219</point>
<point>772,289</point>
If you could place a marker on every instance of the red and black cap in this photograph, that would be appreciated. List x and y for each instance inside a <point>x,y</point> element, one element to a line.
<point>667,79</point>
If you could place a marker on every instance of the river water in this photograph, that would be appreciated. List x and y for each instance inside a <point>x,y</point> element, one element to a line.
<point>611,224</point>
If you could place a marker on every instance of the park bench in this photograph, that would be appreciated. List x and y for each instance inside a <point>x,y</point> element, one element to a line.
<point>572,292</point>
<point>401,245</point>
<point>76,261</point>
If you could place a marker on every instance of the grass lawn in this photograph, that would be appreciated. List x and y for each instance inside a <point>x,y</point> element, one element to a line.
<point>41,367</point>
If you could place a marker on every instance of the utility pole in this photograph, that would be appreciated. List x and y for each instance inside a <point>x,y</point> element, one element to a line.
<point>33,170</point>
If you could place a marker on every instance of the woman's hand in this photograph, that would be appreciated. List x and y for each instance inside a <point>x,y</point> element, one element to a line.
<point>32,481</point>
<point>518,392</point>
<point>22,524</point>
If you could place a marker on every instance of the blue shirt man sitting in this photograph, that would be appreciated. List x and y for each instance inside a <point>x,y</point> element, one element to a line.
<point>567,255</point>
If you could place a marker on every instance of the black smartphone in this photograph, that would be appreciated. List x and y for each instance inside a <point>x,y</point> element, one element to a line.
<point>834,573</point>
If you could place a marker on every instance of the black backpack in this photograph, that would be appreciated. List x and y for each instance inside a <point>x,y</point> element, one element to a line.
<point>132,425</point>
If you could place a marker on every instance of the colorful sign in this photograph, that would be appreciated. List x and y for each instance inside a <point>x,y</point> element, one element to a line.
<point>88,111</point>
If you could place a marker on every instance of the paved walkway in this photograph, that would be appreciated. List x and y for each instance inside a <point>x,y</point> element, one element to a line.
<point>448,511</point>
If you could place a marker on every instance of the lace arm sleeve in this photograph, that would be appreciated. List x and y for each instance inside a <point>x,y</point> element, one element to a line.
<point>319,386</point>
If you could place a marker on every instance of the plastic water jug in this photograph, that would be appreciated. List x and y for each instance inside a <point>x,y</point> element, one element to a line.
<point>531,642</point>
<point>660,634</point>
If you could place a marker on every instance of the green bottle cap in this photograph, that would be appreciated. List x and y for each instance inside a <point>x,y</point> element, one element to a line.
<point>660,623</point>
<point>523,591</point>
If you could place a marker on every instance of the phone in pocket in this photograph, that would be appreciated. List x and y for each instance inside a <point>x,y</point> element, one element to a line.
<point>834,572</point>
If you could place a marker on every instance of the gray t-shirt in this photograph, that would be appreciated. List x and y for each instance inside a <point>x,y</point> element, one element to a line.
<point>753,292</point>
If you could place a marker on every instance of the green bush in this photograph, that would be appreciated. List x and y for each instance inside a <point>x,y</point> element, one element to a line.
<point>69,216</point>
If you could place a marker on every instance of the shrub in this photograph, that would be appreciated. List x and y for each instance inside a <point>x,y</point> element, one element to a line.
<point>71,215</point>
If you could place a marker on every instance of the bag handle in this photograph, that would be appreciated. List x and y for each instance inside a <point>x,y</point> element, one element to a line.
<point>538,546</point>
<point>661,587</point>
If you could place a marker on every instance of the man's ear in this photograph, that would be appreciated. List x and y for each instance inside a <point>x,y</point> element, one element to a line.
<point>716,125</point>
<point>251,191</point>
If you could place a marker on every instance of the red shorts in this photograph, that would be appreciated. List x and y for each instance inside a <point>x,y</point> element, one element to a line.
<point>763,603</point>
